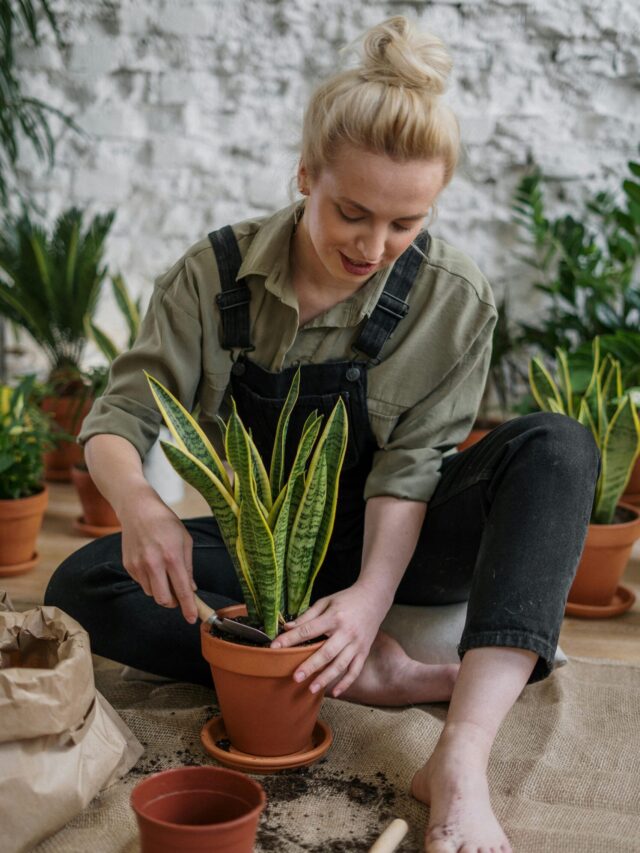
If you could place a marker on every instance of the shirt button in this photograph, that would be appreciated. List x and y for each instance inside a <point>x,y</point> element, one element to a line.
<point>238,368</point>
<point>353,373</point>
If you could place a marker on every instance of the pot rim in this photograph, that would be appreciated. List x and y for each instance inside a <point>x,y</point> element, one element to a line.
<point>198,829</point>
<point>291,650</point>
<point>37,495</point>
<point>621,524</point>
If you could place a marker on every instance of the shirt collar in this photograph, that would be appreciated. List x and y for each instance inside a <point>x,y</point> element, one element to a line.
<point>268,256</point>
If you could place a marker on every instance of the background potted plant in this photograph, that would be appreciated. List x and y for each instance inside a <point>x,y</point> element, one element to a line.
<point>25,432</point>
<point>277,527</point>
<point>598,400</point>
<point>50,288</point>
<point>587,263</point>
<point>625,347</point>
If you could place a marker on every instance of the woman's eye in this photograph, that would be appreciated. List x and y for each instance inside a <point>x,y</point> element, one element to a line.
<point>349,218</point>
<point>395,225</point>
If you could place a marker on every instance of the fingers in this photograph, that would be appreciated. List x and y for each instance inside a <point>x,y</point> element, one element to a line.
<point>168,577</point>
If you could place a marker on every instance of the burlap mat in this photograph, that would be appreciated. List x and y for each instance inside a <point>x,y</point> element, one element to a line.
<point>564,771</point>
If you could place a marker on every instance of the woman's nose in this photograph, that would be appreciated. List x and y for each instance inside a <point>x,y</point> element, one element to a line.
<point>371,247</point>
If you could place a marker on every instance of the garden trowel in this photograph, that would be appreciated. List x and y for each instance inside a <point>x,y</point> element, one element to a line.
<point>229,626</point>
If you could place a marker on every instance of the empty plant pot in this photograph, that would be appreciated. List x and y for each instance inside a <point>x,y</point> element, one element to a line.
<point>198,809</point>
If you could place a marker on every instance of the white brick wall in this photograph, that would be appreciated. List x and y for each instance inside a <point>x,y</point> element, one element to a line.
<point>192,110</point>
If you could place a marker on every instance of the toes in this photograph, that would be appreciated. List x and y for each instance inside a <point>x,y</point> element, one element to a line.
<point>441,839</point>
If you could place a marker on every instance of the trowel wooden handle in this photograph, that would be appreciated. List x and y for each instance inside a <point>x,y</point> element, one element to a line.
<point>391,837</point>
<point>204,611</point>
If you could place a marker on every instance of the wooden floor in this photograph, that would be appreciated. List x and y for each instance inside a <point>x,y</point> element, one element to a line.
<point>614,639</point>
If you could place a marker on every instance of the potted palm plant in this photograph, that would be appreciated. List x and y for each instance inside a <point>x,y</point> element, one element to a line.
<point>276,526</point>
<point>598,400</point>
<point>25,432</point>
<point>50,288</point>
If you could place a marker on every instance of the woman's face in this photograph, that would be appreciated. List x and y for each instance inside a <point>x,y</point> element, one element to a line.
<point>363,211</point>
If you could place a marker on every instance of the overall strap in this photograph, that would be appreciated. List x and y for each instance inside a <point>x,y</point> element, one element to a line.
<point>233,300</point>
<point>391,307</point>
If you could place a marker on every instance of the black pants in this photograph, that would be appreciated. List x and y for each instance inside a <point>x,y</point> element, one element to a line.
<point>504,530</point>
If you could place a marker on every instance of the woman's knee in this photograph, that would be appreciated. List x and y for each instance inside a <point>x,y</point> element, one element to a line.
<point>559,441</point>
<point>77,578</point>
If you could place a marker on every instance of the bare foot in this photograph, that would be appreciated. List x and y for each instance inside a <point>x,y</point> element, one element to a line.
<point>391,677</point>
<point>454,783</point>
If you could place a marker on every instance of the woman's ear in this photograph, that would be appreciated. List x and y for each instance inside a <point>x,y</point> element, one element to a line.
<point>303,179</point>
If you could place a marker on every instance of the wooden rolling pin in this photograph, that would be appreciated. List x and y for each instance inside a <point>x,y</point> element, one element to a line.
<point>391,837</point>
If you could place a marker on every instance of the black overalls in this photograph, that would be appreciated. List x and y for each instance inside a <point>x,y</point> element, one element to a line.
<point>504,528</point>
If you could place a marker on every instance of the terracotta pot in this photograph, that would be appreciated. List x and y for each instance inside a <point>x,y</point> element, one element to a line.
<point>68,414</point>
<point>632,492</point>
<point>264,710</point>
<point>604,559</point>
<point>480,429</point>
<point>198,809</point>
<point>20,522</point>
<point>97,512</point>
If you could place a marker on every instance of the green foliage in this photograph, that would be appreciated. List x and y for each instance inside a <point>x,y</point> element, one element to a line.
<point>22,116</point>
<point>276,526</point>
<point>52,284</point>
<point>590,390</point>
<point>588,264</point>
<point>25,433</point>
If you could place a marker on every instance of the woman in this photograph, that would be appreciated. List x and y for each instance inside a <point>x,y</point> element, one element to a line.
<point>347,285</point>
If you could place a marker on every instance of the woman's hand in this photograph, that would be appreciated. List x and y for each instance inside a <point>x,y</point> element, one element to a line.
<point>350,619</point>
<point>157,553</point>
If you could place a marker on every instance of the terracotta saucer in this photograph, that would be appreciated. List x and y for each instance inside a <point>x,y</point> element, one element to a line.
<point>622,600</point>
<point>19,568</point>
<point>214,732</point>
<point>94,530</point>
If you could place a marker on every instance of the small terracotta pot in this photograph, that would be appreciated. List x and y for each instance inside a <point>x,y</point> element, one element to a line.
<point>480,429</point>
<point>20,523</point>
<point>198,809</point>
<point>632,492</point>
<point>604,559</point>
<point>265,711</point>
<point>97,512</point>
<point>68,413</point>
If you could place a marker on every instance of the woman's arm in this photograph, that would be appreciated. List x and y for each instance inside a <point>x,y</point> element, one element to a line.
<point>351,618</point>
<point>156,548</point>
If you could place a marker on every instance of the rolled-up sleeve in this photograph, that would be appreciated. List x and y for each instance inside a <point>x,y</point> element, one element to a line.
<point>169,347</point>
<point>408,465</point>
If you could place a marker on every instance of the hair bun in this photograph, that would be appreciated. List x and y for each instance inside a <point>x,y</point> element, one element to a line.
<point>397,54</point>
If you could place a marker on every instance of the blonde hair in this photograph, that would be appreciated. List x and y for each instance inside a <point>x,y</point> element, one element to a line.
<point>389,103</point>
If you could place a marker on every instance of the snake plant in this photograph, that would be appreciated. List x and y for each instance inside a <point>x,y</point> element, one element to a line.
<point>276,524</point>
<point>606,408</point>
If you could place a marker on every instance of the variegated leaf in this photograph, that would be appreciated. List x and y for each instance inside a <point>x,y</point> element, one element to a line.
<point>186,432</point>
<point>276,473</point>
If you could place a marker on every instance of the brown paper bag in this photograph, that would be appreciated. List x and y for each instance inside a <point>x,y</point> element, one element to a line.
<point>60,740</point>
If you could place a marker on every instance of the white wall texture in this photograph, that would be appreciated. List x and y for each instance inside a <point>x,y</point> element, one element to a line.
<point>192,111</point>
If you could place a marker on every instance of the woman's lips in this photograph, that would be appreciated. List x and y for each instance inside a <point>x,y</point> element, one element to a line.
<point>355,268</point>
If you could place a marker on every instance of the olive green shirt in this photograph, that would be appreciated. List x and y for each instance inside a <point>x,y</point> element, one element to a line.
<point>422,397</point>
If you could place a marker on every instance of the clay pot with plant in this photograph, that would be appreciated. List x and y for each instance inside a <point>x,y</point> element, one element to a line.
<point>25,433</point>
<point>50,289</point>
<point>599,401</point>
<point>276,526</point>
